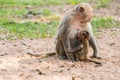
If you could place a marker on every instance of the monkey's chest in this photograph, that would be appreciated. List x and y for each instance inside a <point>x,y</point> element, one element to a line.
<point>79,26</point>
<point>73,31</point>
<point>75,42</point>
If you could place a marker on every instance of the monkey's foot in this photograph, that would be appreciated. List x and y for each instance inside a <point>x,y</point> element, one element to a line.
<point>77,59</point>
<point>62,57</point>
<point>72,58</point>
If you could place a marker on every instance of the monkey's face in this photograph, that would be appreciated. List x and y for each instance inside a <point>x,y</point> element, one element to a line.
<point>84,12</point>
<point>83,35</point>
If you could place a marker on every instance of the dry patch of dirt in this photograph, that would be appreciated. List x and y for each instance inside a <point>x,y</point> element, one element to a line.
<point>16,64</point>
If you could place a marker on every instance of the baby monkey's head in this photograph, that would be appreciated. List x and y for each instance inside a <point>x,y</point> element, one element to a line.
<point>82,35</point>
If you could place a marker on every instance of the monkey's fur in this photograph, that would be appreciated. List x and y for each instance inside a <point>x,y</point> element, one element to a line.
<point>82,54</point>
<point>84,37</point>
<point>75,20</point>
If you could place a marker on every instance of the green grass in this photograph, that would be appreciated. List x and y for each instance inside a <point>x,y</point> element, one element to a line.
<point>18,8</point>
<point>46,12</point>
<point>28,30</point>
<point>37,30</point>
<point>103,23</point>
<point>17,13</point>
<point>38,2</point>
<point>7,13</point>
<point>23,3</point>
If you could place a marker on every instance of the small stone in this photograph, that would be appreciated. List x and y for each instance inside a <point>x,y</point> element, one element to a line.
<point>23,43</point>
<point>111,44</point>
<point>62,66</point>
<point>73,78</point>
<point>60,71</point>
<point>15,44</point>
<point>40,72</point>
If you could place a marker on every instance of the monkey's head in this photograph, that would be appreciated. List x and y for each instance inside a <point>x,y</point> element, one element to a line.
<point>82,35</point>
<point>83,11</point>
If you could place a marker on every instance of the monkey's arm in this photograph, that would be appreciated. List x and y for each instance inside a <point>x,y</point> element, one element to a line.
<point>81,36</point>
<point>93,42</point>
<point>94,46</point>
<point>75,49</point>
<point>69,49</point>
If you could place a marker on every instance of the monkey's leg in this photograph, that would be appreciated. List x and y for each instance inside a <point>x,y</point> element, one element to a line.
<point>60,50</point>
<point>94,46</point>
<point>67,44</point>
<point>77,58</point>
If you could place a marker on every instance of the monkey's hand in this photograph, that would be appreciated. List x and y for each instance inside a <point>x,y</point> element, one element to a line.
<point>70,50</point>
<point>73,50</point>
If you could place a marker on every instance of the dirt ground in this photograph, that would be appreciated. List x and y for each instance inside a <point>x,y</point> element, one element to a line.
<point>16,64</point>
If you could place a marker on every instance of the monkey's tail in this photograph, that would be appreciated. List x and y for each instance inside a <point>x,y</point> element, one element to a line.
<point>47,53</point>
<point>95,62</point>
<point>98,64</point>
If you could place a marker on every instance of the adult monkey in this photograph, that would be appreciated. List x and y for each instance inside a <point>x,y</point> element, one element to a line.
<point>75,20</point>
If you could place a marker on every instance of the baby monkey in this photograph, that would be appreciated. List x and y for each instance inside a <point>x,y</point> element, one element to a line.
<point>81,52</point>
<point>83,36</point>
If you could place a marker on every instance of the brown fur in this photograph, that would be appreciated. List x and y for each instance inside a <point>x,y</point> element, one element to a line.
<point>75,20</point>
<point>83,53</point>
<point>84,37</point>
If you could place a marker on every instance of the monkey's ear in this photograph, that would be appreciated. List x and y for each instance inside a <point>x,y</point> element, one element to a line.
<point>81,9</point>
<point>76,9</point>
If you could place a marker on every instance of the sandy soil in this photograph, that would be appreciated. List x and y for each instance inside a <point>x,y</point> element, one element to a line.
<point>16,64</point>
